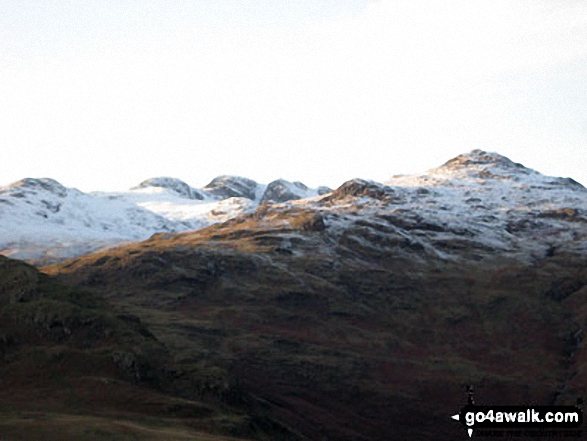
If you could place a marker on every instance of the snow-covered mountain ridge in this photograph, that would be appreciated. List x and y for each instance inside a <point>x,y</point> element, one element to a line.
<point>478,202</point>
<point>475,205</point>
<point>43,221</point>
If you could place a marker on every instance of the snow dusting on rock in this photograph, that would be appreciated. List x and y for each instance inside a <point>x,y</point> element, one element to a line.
<point>475,205</point>
<point>43,221</point>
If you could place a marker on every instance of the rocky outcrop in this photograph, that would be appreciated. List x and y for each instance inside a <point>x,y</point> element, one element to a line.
<point>323,190</point>
<point>232,187</point>
<point>282,191</point>
<point>479,157</point>
<point>33,186</point>
<point>173,184</point>
<point>360,188</point>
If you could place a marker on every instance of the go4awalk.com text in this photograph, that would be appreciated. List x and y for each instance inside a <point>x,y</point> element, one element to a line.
<point>500,421</point>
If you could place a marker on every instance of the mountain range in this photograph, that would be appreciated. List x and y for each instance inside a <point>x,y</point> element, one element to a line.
<point>280,312</point>
<point>43,221</point>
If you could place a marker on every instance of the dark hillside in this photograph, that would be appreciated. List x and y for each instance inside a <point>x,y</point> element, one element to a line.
<point>347,334</point>
<point>73,368</point>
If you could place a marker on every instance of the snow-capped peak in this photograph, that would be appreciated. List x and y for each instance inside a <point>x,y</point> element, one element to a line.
<point>34,185</point>
<point>483,196</point>
<point>479,167</point>
<point>226,186</point>
<point>42,220</point>
<point>482,165</point>
<point>173,184</point>
<point>479,157</point>
<point>281,190</point>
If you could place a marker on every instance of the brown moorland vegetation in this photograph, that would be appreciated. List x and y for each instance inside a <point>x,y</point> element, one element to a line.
<point>308,333</point>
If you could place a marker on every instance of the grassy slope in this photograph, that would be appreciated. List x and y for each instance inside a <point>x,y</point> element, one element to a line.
<point>71,368</point>
<point>338,339</point>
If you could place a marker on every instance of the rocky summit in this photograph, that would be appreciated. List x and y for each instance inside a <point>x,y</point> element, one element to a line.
<point>173,184</point>
<point>365,313</point>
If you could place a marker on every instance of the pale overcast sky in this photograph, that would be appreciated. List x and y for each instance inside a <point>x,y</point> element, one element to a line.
<point>101,95</point>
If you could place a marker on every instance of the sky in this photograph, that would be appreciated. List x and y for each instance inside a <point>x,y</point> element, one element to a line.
<point>103,95</point>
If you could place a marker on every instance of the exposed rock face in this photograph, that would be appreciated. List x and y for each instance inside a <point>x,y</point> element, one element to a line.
<point>300,185</point>
<point>485,159</point>
<point>481,166</point>
<point>232,187</point>
<point>282,191</point>
<point>34,186</point>
<point>360,188</point>
<point>323,190</point>
<point>565,213</point>
<point>566,182</point>
<point>173,184</point>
